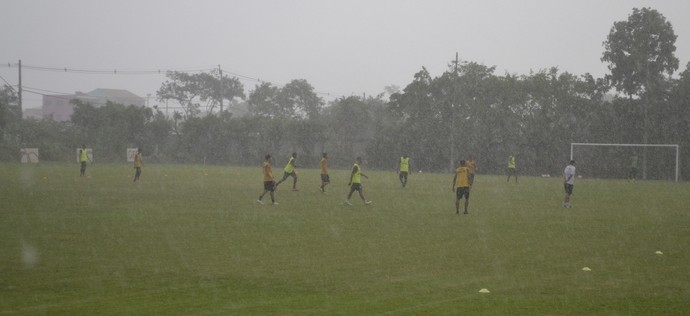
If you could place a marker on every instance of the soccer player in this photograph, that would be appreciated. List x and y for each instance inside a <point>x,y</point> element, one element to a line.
<point>404,169</point>
<point>269,181</point>
<point>137,165</point>
<point>83,158</point>
<point>633,169</point>
<point>461,186</point>
<point>568,183</point>
<point>512,171</point>
<point>472,167</point>
<point>323,165</point>
<point>289,171</point>
<point>356,182</point>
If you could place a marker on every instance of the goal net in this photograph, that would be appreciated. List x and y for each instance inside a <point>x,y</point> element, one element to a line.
<point>653,161</point>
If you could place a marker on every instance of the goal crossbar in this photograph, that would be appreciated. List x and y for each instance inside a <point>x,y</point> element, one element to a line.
<point>572,145</point>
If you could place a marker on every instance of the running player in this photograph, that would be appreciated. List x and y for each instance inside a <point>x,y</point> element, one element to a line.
<point>356,182</point>
<point>289,171</point>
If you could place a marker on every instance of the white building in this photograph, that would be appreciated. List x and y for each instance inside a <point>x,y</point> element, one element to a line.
<point>59,108</point>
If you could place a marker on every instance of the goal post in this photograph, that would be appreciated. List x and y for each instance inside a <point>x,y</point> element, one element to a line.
<point>674,146</point>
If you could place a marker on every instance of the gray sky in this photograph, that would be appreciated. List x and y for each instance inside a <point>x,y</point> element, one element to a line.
<point>340,47</point>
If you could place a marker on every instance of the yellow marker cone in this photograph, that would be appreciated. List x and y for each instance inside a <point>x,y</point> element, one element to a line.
<point>658,252</point>
<point>484,291</point>
<point>586,269</point>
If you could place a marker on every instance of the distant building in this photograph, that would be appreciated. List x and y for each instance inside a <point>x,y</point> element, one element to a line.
<point>35,113</point>
<point>59,106</point>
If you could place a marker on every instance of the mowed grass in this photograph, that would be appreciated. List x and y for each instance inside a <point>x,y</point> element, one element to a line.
<point>193,240</point>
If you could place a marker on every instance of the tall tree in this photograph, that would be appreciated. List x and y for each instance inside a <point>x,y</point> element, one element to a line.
<point>299,96</point>
<point>640,53</point>
<point>263,101</point>
<point>189,90</point>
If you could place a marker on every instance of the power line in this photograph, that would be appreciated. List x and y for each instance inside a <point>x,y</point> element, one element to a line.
<point>8,84</point>
<point>136,72</point>
<point>103,72</point>
<point>44,90</point>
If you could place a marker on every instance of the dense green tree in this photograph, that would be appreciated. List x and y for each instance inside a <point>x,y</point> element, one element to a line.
<point>295,100</point>
<point>640,52</point>
<point>110,129</point>
<point>349,123</point>
<point>263,101</point>
<point>299,96</point>
<point>9,107</point>
<point>679,123</point>
<point>9,119</point>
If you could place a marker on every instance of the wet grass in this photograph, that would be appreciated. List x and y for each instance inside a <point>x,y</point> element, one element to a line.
<point>192,240</point>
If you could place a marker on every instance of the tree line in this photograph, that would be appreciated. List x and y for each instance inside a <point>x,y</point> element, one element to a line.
<point>436,120</point>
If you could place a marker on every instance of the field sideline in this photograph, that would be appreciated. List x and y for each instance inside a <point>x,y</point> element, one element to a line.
<point>191,239</point>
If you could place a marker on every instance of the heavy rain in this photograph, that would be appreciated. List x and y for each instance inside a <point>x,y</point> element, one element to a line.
<point>254,158</point>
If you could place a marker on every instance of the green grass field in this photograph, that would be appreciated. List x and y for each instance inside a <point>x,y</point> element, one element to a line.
<point>193,240</point>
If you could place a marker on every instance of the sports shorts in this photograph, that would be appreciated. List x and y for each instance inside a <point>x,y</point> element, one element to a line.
<point>460,192</point>
<point>569,188</point>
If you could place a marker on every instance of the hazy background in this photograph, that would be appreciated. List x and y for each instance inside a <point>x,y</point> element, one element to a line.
<point>340,47</point>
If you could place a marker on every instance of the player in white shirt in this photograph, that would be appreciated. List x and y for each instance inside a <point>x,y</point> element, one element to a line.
<point>569,182</point>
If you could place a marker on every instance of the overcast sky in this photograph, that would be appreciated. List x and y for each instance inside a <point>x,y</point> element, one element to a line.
<point>341,47</point>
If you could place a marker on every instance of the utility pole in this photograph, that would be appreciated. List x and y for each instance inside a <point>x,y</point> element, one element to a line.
<point>452,115</point>
<point>21,110</point>
<point>220,82</point>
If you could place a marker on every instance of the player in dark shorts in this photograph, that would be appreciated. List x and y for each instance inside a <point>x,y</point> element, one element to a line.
<point>356,182</point>
<point>568,188</point>
<point>462,192</point>
<point>461,186</point>
<point>568,182</point>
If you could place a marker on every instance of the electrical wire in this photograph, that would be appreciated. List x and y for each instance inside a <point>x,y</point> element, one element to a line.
<point>136,72</point>
<point>8,84</point>
<point>104,72</point>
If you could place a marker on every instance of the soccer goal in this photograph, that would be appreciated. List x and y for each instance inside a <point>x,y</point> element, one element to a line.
<point>615,159</point>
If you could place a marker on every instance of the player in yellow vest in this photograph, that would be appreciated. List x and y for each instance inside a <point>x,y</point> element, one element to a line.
<point>83,158</point>
<point>461,186</point>
<point>356,182</point>
<point>269,181</point>
<point>323,165</point>
<point>512,170</point>
<point>137,165</point>
<point>404,169</point>
<point>289,171</point>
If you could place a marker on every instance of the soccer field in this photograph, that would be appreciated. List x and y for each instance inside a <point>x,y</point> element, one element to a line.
<point>193,240</point>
